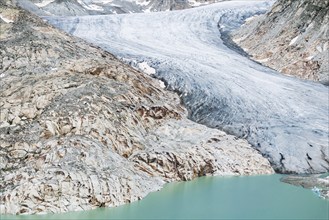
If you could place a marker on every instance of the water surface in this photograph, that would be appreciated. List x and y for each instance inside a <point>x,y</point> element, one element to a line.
<point>255,197</point>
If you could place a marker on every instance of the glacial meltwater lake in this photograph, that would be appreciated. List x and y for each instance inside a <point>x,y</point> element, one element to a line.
<point>248,197</point>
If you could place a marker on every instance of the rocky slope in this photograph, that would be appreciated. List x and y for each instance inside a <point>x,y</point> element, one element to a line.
<point>98,7</point>
<point>80,130</point>
<point>291,38</point>
<point>283,117</point>
<point>318,183</point>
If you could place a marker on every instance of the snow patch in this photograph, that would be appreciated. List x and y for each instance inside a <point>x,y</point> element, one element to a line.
<point>102,1</point>
<point>245,49</point>
<point>91,7</point>
<point>251,18</point>
<point>294,40</point>
<point>195,4</point>
<point>162,85</point>
<point>7,20</point>
<point>95,7</point>
<point>319,48</point>
<point>142,3</point>
<point>325,46</point>
<point>322,48</point>
<point>44,3</point>
<point>309,58</point>
<point>238,40</point>
<point>145,68</point>
<point>262,60</point>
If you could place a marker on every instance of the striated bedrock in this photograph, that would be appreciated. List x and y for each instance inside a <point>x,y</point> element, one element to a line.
<point>80,130</point>
<point>291,38</point>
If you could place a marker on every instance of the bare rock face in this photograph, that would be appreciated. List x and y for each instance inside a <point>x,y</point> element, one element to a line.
<point>292,38</point>
<point>80,130</point>
<point>319,184</point>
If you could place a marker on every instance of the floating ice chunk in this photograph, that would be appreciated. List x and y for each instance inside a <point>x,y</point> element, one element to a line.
<point>317,191</point>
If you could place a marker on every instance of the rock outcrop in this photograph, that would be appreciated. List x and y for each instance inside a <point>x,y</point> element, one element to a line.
<point>291,38</point>
<point>319,184</point>
<point>80,130</point>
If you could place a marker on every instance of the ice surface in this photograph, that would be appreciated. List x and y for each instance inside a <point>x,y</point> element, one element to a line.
<point>283,117</point>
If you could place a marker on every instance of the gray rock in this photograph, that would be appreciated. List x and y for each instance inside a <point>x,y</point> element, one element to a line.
<point>317,183</point>
<point>291,38</point>
<point>96,132</point>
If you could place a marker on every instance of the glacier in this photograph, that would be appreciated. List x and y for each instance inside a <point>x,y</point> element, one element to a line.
<point>284,118</point>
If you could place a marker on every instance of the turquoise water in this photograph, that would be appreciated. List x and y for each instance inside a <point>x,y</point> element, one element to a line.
<point>255,197</point>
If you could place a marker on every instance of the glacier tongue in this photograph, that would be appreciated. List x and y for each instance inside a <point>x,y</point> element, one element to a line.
<point>285,118</point>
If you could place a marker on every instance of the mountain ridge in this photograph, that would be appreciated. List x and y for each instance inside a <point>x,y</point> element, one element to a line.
<point>101,7</point>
